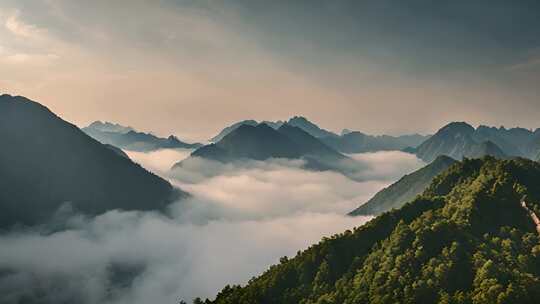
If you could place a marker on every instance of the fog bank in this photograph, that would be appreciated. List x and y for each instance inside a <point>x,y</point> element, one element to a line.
<point>240,219</point>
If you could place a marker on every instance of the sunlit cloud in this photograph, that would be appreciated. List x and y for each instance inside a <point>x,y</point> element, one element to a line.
<point>18,28</point>
<point>188,60</point>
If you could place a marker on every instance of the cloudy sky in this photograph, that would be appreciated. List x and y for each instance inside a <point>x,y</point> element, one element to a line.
<point>190,67</point>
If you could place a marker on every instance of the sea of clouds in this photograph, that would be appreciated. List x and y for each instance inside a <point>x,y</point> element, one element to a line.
<point>240,219</point>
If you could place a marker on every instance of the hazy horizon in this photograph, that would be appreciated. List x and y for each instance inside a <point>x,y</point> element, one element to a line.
<point>269,214</point>
<point>192,67</point>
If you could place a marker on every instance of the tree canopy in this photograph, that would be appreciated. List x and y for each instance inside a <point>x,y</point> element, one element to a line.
<point>466,239</point>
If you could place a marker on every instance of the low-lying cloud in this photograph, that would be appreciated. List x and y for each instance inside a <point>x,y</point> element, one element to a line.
<point>163,260</point>
<point>159,161</point>
<point>387,165</point>
<point>240,219</point>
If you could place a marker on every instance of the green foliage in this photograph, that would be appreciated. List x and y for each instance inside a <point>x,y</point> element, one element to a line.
<point>466,240</point>
<point>404,190</point>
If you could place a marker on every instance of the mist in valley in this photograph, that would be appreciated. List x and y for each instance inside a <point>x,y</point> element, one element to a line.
<point>240,219</point>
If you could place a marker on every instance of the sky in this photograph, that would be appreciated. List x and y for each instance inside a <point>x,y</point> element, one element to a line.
<point>192,67</point>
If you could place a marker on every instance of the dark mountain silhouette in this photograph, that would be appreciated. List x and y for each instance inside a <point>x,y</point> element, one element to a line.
<point>263,142</point>
<point>129,139</point>
<point>308,144</point>
<point>47,162</point>
<point>470,238</point>
<point>251,142</point>
<point>296,121</point>
<point>311,128</point>
<point>274,124</point>
<point>457,140</point>
<point>231,128</point>
<point>117,151</point>
<point>348,142</point>
<point>405,189</point>
<point>358,142</point>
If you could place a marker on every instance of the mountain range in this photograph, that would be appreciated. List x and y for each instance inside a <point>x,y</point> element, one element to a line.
<point>348,142</point>
<point>262,142</point>
<point>459,139</point>
<point>358,142</point>
<point>47,162</point>
<point>405,189</point>
<point>129,139</point>
<point>471,237</point>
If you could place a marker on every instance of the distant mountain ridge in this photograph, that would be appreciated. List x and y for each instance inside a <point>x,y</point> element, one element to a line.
<point>262,142</point>
<point>231,128</point>
<point>109,127</point>
<point>129,139</point>
<point>348,142</point>
<point>296,121</point>
<point>405,189</point>
<point>47,162</point>
<point>358,142</point>
<point>459,139</point>
<point>311,128</point>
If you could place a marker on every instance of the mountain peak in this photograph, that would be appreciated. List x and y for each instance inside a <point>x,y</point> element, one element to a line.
<point>6,96</point>
<point>264,126</point>
<point>262,142</point>
<point>457,127</point>
<point>105,126</point>
<point>43,149</point>
<point>229,129</point>
<point>299,118</point>
<point>308,126</point>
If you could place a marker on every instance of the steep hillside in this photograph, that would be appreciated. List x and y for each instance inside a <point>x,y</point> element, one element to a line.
<point>467,239</point>
<point>486,148</point>
<point>311,128</point>
<point>231,128</point>
<point>404,190</point>
<point>457,140</point>
<point>47,162</point>
<point>513,141</point>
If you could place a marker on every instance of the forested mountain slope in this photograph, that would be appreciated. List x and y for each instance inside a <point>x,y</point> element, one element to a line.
<point>405,189</point>
<point>467,239</point>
